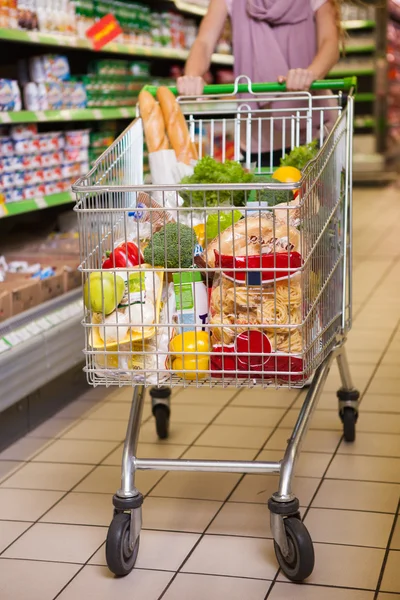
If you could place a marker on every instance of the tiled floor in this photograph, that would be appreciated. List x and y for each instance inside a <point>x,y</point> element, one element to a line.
<point>207,536</point>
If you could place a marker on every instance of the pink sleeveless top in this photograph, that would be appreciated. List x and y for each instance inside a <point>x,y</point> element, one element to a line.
<point>270,37</point>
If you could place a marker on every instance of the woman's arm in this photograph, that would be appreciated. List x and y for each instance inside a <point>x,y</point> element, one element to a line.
<point>327,55</point>
<point>198,63</point>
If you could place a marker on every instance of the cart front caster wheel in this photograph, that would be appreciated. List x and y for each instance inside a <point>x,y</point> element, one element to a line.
<point>299,564</point>
<point>349,419</point>
<point>120,558</point>
<point>161,415</point>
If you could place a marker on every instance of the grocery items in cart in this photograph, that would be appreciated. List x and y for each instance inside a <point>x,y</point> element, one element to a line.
<point>34,164</point>
<point>236,278</point>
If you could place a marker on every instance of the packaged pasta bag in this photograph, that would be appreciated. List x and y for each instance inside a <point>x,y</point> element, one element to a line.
<point>256,331</point>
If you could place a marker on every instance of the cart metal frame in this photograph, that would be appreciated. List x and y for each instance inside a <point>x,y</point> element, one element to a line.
<point>293,544</point>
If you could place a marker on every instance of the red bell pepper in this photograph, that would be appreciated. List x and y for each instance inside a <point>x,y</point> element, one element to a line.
<point>124,255</point>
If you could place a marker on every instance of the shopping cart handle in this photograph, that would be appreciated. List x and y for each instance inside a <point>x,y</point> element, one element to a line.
<point>345,84</point>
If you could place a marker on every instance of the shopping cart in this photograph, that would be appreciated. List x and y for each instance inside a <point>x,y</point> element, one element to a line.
<point>279,306</point>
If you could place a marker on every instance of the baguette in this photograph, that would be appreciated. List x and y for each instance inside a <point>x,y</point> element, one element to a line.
<point>153,123</point>
<point>176,126</point>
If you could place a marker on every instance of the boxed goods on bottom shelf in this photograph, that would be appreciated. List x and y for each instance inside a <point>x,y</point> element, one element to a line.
<point>38,271</point>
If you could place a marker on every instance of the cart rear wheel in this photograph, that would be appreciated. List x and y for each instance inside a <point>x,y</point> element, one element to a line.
<point>161,414</point>
<point>120,558</point>
<point>299,564</point>
<point>349,418</point>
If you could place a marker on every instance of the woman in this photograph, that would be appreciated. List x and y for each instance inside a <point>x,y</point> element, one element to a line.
<point>296,41</point>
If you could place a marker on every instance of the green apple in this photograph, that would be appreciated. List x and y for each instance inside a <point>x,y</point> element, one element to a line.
<point>103,291</point>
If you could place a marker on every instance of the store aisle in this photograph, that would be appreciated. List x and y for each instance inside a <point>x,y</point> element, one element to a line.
<point>207,535</point>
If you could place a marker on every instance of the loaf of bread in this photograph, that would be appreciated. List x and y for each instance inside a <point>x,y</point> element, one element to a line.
<point>177,129</point>
<point>153,123</point>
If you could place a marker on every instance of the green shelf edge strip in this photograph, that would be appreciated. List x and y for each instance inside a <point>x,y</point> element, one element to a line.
<point>360,49</point>
<point>71,41</point>
<point>358,24</point>
<point>365,97</point>
<point>51,116</point>
<point>26,206</point>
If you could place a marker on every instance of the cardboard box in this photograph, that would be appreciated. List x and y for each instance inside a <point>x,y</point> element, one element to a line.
<point>25,293</point>
<point>53,286</point>
<point>5,302</point>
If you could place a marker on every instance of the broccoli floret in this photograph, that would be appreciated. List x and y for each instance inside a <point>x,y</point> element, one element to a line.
<point>272,197</point>
<point>172,247</point>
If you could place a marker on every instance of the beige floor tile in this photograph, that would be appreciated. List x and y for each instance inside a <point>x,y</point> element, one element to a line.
<point>292,591</point>
<point>385,403</point>
<point>193,413</point>
<point>365,468</point>
<point>22,579</point>
<point>78,409</point>
<point>170,514</point>
<point>76,451</point>
<point>163,550</point>
<point>113,411</point>
<point>378,422</point>
<point>97,583</point>
<point>59,543</point>
<point>107,480</point>
<point>24,449</point>
<point>47,476</point>
<point>203,486</point>
<point>52,428</point>
<point>89,429</point>
<point>383,596</point>
<point>159,450</point>
<point>395,543</point>
<point>251,417</point>
<point>373,444</point>
<point>235,556</point>
<point>234,436</point>
<point>349,527</point>
<point>391,576</point>
<point>208,453</point>
<point>387,372</point>
<point>259,488</point>
<point>26,505</point>
<point>179,433</point>
<point>315,441</point>
<point>327,401</point>
<point>268,398</point>
<point>204,395</point>
<point>350,566</point>
<point>82,509</point>
<point>364,357</point>
<point>358,495</point>
<point>310,464</point>
<point>322,419</point>
<point>8,467</point>
<point>239,518</point>
<point>198,587</point>
<point>385,386</point>
<point>9,531</point>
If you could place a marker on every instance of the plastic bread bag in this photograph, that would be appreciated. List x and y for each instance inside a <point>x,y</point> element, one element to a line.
<point>257,235</point>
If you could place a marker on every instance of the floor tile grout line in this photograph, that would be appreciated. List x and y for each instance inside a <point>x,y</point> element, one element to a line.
<point>226,500</point>
<point>64,495</point>
<point>387,551</point>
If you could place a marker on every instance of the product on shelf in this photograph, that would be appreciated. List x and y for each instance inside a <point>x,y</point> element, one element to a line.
<point>36,164</point>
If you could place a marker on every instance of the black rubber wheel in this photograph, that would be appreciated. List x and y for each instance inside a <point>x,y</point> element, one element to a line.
<point>349,419</point>
<point>300,563</point>
<point>161,414</point>
<point>120,559</point>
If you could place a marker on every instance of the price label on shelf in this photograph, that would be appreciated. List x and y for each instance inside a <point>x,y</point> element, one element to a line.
<point>55,318</point>
<point>4,346</point>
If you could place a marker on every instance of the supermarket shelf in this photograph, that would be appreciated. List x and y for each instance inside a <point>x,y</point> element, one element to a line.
<point>79,114</point>
<point>39,345</point>
<point>72,41</point>
<point>352,48</point>
<point>191,8</point>
<point>364,122</point>
<point>365,97</point>
<point>26,206</point>
<point>358,24</point>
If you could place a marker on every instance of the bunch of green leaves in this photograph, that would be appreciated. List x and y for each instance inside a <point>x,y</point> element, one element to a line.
<point>300,156</point>
<point>210,171</point>
<point>271,197</point>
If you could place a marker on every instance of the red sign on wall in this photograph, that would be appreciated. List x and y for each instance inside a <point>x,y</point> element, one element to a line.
<point>104,31</point>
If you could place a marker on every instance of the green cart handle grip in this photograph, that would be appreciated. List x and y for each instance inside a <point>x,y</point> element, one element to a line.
<point>345,85</point>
